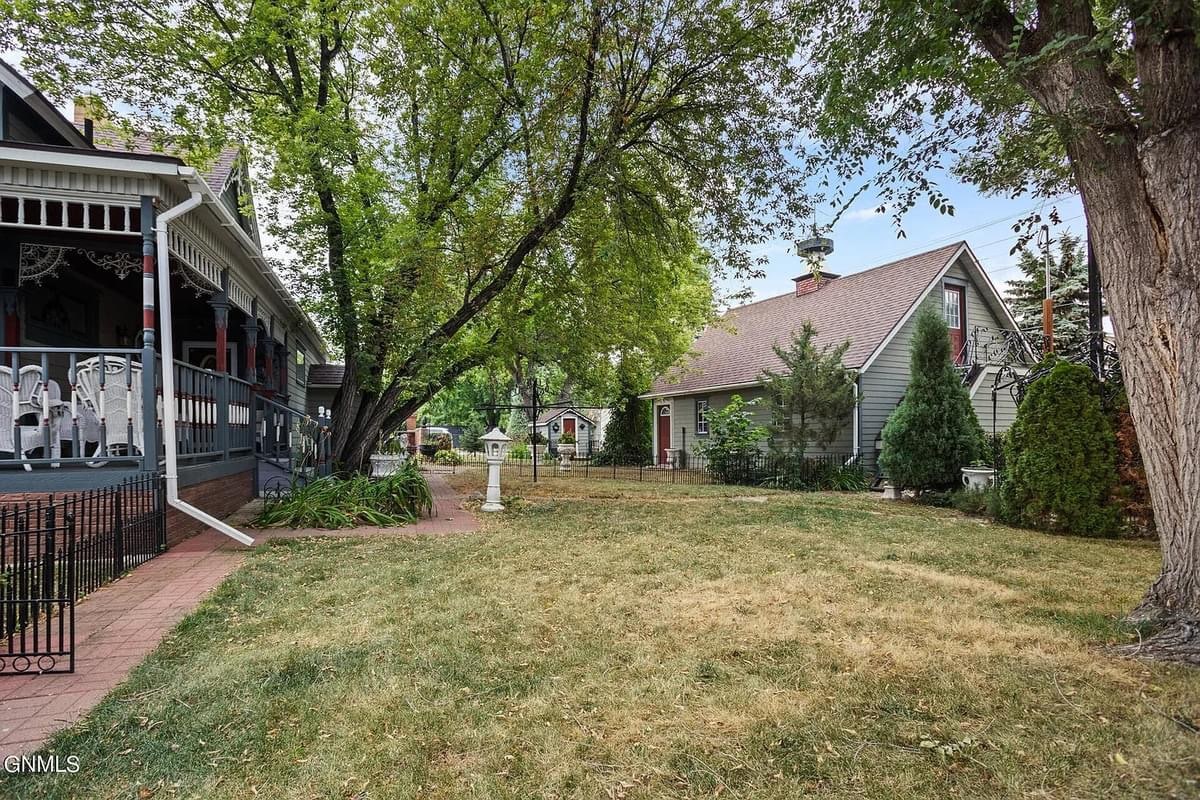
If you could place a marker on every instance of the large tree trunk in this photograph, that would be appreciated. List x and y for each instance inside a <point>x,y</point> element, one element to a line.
<point>1147,226</point>
<point>1143,206</point>
<point>1139,177</point>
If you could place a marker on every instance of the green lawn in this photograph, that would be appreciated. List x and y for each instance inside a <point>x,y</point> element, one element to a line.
<point>615,640</point>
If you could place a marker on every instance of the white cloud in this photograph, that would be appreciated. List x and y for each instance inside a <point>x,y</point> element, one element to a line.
<point>860,214</point>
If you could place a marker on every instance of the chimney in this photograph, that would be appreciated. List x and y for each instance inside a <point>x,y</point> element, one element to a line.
<point>88,131</point>
<point>808,283</point>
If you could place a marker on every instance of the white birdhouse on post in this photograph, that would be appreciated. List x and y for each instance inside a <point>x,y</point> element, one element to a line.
<point>495,448</point>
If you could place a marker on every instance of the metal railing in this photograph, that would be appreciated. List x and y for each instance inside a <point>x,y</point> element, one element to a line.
<point>53,552</point>
<point>89,398</point>
<point>213,414</point>
<point>752,469</point>
<point>289,446</point>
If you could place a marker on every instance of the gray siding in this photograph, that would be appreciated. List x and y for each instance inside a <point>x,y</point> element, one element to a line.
<point>981,399</point>
<point>683,419</point>
<point>883,383</point>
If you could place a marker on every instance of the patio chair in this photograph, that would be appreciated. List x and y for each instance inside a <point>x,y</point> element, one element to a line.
<point>31,435</point>
<point>114,396</point>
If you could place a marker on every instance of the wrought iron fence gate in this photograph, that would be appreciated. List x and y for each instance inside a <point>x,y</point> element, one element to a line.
<point>55,551</point>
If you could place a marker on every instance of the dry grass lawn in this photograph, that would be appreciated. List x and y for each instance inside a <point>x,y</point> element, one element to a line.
<point>617,640</point>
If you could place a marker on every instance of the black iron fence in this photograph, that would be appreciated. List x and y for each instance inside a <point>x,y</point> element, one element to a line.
<point>841,471</point>
<point>55,551</point>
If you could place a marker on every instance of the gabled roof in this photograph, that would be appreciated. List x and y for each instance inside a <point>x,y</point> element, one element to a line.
<point>19,85</point>
<point>864,308</point>
<point>108,137</point>
<point>551,414</point>
<point>326,375</point>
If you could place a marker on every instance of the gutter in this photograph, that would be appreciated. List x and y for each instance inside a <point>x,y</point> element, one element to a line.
<point>167,336</point>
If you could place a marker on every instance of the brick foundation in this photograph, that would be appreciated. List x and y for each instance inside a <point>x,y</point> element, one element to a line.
<point>219,497</point>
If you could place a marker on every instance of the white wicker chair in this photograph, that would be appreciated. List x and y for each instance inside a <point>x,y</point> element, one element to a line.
<point>117,405</point>
<point>28,388</point>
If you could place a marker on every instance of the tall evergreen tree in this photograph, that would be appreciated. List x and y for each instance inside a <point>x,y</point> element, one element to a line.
<point>812,396</point>
<point>934,431</point>
<point>1068,290</point>
<point>627,436</point>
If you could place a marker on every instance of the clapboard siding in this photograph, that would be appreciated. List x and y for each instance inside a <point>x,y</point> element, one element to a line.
<point>981,400</point>
<point>683,420</point>
<point>884,382</point>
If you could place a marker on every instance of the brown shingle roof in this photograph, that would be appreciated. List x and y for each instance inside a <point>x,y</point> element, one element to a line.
<point>326,374</point>
<point>863,307</point>
<point>108,137</point>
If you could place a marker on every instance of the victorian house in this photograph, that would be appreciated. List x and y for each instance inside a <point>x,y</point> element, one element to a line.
<point>92,224</point>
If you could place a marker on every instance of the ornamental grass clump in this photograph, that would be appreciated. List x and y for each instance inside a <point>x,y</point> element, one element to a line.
<point>334,502</point>
<point>934,432</point>
<point>1061,457</point>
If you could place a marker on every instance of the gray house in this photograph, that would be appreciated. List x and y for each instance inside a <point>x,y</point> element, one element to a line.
<point>874,310</point>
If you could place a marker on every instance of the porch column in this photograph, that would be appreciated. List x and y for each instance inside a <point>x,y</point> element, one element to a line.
<point>283,365</point>
<point>149,341</point>
<point>251,330</point>
<point>269,354</point>
<point>220,306</point>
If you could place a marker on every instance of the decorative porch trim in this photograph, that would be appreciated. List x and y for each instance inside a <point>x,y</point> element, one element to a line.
<point>38,261</point>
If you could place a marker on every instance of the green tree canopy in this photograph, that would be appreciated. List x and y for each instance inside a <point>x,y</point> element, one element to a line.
<point>443,170</point>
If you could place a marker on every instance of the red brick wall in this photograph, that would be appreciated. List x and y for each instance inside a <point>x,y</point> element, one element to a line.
<point>219,497</point>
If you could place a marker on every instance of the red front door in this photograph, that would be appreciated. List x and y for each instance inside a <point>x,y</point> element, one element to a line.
<point>569,425</point>
<point>664,432</point>
<point>956,321</point>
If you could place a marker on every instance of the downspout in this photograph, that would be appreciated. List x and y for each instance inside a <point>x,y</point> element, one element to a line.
<point>167,335</point>
<point>857,419</point>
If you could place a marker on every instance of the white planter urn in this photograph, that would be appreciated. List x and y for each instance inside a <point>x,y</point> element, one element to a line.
<point>673,457</point>
<point>386,464</point>
<point>566,452</point>
<point>541,451</point>
<point>978,478</point>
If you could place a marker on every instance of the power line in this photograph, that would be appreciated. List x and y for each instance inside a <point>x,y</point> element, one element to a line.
<point>981,226</point>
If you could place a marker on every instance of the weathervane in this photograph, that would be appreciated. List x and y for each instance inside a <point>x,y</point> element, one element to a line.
<point>815,248</point>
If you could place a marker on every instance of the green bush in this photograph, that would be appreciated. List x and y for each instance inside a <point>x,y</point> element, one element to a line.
<point>733,437</point>
<point>334,502</point>
<point>519,452</point>
<point>979,502</point>
<point>1060,461</point>
<point>443,441</point>
<point>933,433</point>
<point>471,436</point>
<point>449,457</point>
<point>567,438</point>
<point>796,472</point>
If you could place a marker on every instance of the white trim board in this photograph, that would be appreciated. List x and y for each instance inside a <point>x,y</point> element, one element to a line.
<point>912,309</point>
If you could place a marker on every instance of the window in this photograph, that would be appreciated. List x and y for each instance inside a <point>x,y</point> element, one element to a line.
<point>702,416</point>
<point>952,307</point>
<point>300,374</point>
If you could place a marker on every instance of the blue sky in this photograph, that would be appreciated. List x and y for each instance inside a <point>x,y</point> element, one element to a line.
<point>863,239</point>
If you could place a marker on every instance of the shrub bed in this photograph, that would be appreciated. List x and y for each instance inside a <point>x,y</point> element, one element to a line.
<point>334,502</point>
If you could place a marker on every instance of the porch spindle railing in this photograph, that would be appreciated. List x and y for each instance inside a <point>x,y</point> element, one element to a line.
<point>75,407</point>
<point>87,399</point>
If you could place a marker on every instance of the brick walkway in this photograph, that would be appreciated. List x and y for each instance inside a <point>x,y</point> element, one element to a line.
<point>120,624</point>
